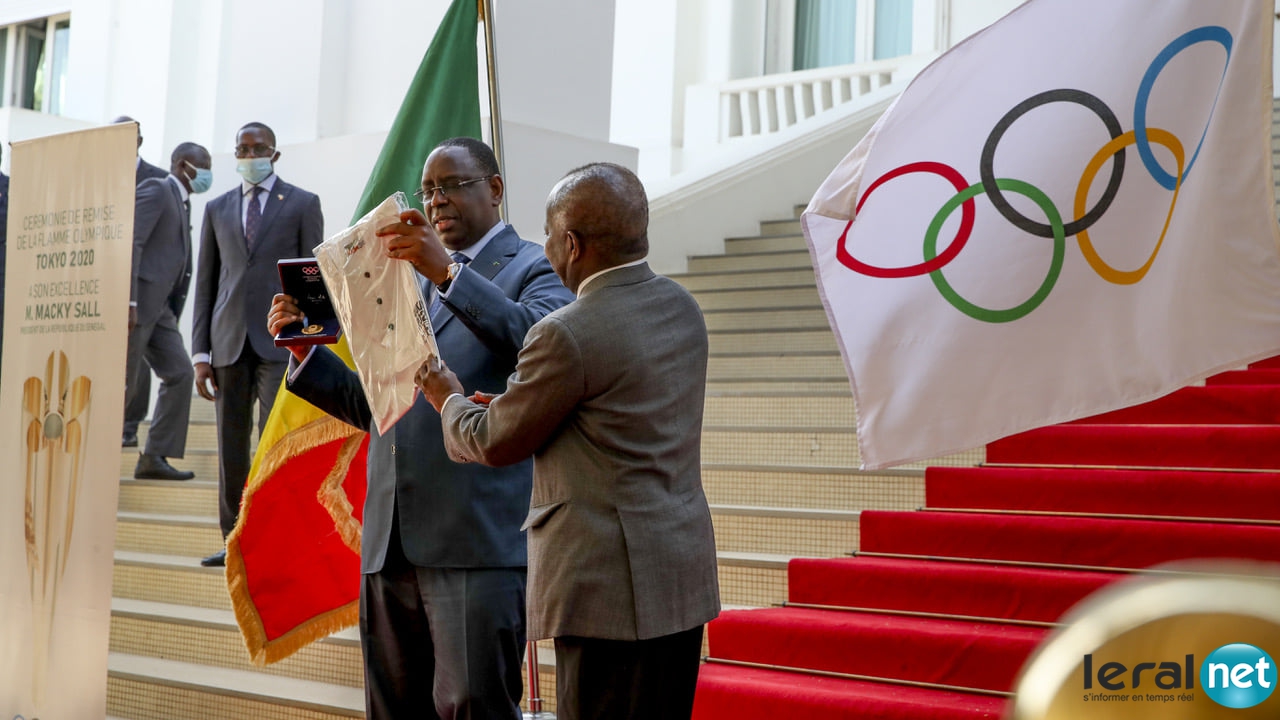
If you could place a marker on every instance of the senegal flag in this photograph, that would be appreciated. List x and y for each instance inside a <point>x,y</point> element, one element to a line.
<point>293,559</point>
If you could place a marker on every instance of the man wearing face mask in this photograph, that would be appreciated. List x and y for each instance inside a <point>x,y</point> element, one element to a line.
<point>160,279</point>
<point>245,232</point>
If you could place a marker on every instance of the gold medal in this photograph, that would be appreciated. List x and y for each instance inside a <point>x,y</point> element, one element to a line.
<point>312,329</point>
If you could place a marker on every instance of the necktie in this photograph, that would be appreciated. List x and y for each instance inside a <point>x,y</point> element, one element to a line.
<point>252,218</point>
<point>436,302</point>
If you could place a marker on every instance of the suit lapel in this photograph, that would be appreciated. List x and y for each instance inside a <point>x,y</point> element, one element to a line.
<point>495,256</point>
<point>278,196</point>
<point>233,217</point>
<point>184,219</point>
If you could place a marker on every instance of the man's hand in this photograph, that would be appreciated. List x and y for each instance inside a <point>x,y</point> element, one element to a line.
<point>413,240</point>
<point>205,384</point>
<point>284,311</point>
<point>133,318</point>
<point>437,382</point>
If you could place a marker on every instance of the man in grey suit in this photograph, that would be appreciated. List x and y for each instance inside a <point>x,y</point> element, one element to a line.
<point>246,231</point>
<point>136,410</point>
<point>442,619</point>
<point>161,256</point>
<point>607,397</point>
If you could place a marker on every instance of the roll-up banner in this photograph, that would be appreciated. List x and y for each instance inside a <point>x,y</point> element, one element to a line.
<point>66,294</point>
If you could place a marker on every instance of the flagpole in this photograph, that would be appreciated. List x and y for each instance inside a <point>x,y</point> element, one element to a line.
<point>495,112</point>
<point>495,134</point>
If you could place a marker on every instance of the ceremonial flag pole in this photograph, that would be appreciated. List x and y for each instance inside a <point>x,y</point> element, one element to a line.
<point>495,133</point>
<point>292,579</point>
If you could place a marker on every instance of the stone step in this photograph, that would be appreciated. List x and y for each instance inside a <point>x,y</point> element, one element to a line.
<point>761,409</point>
<point>832,386</point>
<point>201,435</point>
<point>772,341</point>
<point>785,260</point>
<point>175,579</point>
<point>780,227</point>
<point>182,535</point>
<point>817,366</point>
<point>799,296</point>
<point>190,497</point>
<point>785,531</point>
<point>151,688</point>
<point>810,488</point>
<point>212,637</point>
<point>203,462</point>
<point>752,579</point>
<point>812,317</point>
<point>802,447</point>
<point>745,279</point>
<point>766,244</point>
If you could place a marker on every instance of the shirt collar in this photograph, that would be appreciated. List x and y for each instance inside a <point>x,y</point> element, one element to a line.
<point>246,187</point>
<point>583,285</point>
<point>472,251</point>
<point>181,190</point>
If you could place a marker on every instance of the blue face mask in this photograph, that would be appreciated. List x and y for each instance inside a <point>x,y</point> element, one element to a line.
<point>202,181</point>
<point>255,170</point>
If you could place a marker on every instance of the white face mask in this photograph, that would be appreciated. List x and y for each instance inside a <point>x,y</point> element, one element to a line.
<point>255,170</point>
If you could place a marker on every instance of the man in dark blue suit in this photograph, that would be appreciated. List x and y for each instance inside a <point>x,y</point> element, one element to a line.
<point>245,232</point>
<point>442,612</point>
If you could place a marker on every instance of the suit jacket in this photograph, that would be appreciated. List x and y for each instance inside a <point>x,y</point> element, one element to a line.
<point>608,397</point>
<point>161,247</point>
<point>146,171</point>
<point>233,285</point>
<point>450,515</point>
<point>4,223</point>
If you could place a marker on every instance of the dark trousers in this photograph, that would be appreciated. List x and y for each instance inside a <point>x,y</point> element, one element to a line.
<point>627,680</point>
<point>441,643</point>
<point>240,384</point>
<point>157,345</point>
<point>136,410</point>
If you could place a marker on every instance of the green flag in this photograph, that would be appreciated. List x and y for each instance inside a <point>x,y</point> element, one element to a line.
<point>443,102</point>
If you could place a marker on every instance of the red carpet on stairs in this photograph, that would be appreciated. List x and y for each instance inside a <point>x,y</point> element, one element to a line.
<point>1205,494</point>
<point>1182,446</point>
<point>1195,474</point>
<point>1040,595</point>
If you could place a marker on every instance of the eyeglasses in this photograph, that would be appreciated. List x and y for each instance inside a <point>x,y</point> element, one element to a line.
<point>259,150</point>
<point>426,195</point>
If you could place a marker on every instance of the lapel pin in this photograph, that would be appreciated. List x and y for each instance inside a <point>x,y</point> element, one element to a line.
<point>279,196</point>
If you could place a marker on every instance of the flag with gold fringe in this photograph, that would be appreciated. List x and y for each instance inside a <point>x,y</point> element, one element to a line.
<point>293,559</point>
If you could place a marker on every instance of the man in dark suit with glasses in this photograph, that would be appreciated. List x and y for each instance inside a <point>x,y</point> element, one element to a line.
<point>442,619</point>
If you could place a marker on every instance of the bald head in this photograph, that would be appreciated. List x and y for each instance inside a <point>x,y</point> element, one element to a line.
<point>605,205</point>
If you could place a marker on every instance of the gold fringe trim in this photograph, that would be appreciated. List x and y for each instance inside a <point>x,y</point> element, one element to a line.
<point>261,650</point>
<point>334,499</point>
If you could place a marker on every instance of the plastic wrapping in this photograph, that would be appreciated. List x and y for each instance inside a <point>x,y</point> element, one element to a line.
<point>379,302</point>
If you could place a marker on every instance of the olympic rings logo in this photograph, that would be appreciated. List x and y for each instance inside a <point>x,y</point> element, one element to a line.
<point>1141,136</point>
<point>310,270</point>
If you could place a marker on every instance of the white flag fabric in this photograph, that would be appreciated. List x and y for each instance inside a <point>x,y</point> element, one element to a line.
<point>382,311</point>
<point>1070,212</point>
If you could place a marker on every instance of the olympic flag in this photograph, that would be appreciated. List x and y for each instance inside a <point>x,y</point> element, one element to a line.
<point>1070,212</point>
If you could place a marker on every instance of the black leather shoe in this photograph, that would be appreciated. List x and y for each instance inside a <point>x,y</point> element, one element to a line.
<point>129,440</point>
<point>218,559</point>
<point>154,467</point>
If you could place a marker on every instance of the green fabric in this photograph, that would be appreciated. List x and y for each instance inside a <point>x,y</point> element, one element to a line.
<point>443,102</point>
